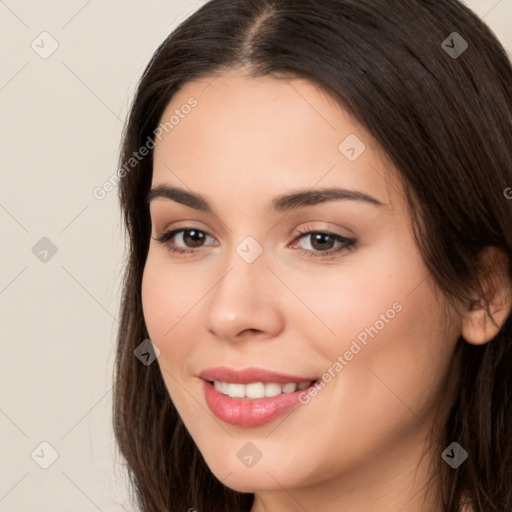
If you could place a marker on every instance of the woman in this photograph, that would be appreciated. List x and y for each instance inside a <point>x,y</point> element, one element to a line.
<point>321,255</point>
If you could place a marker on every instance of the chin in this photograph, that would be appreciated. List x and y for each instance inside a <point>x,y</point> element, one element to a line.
<point>261,477</point>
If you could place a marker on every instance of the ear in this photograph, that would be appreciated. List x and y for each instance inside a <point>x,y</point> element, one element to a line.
<point>485,315</point>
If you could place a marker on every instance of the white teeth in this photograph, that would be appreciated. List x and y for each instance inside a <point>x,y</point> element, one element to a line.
<point>272,389</point>
<point>255,390</point>
<point>289,388</point>
<point>236,390</point>
<point>258,389</point>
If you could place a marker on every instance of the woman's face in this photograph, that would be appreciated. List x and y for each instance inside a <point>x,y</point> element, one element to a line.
<point>351,304</point>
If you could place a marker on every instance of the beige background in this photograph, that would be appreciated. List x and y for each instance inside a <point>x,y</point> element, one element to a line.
<point>60,132</point>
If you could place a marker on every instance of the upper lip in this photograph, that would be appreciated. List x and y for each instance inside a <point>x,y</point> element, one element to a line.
<point>248,375</point>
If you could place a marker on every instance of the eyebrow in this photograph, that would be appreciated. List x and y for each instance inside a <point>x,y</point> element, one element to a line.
<point>282,203</point>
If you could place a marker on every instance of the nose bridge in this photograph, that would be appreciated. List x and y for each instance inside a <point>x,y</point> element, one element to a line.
<point>243,299</point>
<point>243,283</point>
<point>246,265</point>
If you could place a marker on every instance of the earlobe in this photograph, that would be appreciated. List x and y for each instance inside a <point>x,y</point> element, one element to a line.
<point>480,325</point>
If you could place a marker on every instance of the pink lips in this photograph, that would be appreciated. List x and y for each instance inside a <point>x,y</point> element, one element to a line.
<point>247,412</point>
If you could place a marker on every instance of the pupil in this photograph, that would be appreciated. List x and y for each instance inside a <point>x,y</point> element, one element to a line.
<point>322,238</point>
<point>195,236</point>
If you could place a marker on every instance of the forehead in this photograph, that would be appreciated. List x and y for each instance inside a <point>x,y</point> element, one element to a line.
<point>265,134</point>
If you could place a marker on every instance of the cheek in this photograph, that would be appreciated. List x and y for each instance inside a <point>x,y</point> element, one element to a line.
<point>168,293</point>
<point>154,298</point>
<point>155,301</point>
<point>397,358</point>
<point>385,322</point>
<point>164,302</point>
<point>347,299</point>
<point>173,297</point>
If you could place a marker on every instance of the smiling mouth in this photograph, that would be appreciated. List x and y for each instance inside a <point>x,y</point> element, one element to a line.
<point>249,405</point>
<point>252,396</point>
<point>257,390</point>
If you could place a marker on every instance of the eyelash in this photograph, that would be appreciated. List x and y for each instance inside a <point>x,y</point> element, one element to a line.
<point>348,243</point>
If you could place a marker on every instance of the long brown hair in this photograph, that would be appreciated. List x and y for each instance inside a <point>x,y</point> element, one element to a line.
<point>445,121</point>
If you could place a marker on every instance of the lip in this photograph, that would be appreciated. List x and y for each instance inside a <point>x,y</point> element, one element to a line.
<point>247,412</point>
<point>248,375</point>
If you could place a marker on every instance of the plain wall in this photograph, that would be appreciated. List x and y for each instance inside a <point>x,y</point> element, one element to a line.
<point>61,122</point>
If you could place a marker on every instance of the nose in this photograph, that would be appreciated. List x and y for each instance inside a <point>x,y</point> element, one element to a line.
<point>244,303</point>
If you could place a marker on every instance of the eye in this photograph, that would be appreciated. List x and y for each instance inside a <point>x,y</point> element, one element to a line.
<point>192,239</point>
<point>323,243</point>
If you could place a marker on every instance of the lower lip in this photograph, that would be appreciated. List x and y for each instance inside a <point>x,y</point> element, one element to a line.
<point>247,412</point>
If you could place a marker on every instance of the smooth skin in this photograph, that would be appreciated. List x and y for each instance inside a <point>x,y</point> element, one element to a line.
<point>362,443</point>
